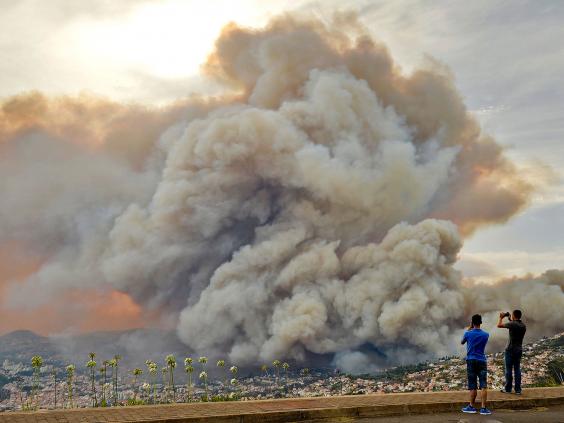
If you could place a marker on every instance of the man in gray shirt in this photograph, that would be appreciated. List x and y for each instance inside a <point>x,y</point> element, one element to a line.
<point>514,349</point>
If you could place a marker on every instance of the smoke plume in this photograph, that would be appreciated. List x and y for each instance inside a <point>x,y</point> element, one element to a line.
<point>315,211</point>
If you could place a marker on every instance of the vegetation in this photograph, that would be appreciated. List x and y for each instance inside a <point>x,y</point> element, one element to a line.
<point>189,369</point>
<point>276,364</point>
<point>152,368</point>
<point>104,372</point>
<point>115,367</point>
<point>555,376</point>
<point>171,364</point>
<point>70,381</point>
<point>285,366</point>
<point>91,364</point>
<point>136,374</point>
<point>36,363</point>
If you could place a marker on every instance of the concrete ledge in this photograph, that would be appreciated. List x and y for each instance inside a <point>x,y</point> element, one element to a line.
<point>293,409</point>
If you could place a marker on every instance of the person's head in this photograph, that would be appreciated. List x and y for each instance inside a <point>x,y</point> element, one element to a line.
<point>516,315</point>
<point>476,320</point>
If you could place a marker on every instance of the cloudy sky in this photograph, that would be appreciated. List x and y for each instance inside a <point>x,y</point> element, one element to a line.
<point>507,58</point>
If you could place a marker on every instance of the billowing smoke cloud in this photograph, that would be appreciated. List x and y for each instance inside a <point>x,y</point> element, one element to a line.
<point>318,213</point>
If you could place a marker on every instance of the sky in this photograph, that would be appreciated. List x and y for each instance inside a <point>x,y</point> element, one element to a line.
<point>507,59</point>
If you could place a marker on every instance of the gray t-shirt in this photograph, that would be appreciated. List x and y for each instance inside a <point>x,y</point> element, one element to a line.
<point>517,331</point>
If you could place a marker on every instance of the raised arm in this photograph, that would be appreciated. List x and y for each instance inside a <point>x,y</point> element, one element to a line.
<point>500,323</point>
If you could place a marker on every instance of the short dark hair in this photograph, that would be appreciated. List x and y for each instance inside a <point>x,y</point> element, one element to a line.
<point>476,319</point>
<point>517,313</point>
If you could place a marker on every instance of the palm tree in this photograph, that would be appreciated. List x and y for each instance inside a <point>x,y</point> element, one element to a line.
<point>107,389</point>
<point>221,365</point>
<point>171,363</point>
<point>276,364</point>
<point>264,369</point>
<point>91,364</point>
<point>189,369</point>
<point>104,371</point>
<point>113,363</point>
<point>36,363</point>
<point>203,360</point>
<point>233,370</point>
<point>70,381</point>
<point>285,366</point>
<point>203,374</point>
<point>136,374</point>
<point>204,377</point>
<point>152,368</point>
<point>146,387</point>
<point>234,383</point>
<point>116,360</point>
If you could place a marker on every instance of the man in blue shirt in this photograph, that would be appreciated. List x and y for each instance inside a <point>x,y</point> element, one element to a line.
<point>476,364</point>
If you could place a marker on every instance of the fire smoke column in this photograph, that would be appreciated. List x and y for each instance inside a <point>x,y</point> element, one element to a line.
<point>278,219</point>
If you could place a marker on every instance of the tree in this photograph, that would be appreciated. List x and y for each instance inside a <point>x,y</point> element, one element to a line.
<point>70,381</point>
<point>146,387</point>
<point>107,388</point>
<point>203,374</point>
<point>276,364</point>
<point>285,366</point>
<point>189,369</point>
<point>171,364</point>
<point>91,364</point>
<point>221,365</point>
<point>233,370</point>
<point>204,377</point>
<point>264,369</point>
<point>113,363</point>
<point>152,368</point>
<point>234,384</point>
<point>104,372</point>
<point>116,360</point>
<point>136,374</point>
<point>36,363</point>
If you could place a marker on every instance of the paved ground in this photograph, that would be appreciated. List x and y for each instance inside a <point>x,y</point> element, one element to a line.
<point>552,414</point>
<point>346,408</point>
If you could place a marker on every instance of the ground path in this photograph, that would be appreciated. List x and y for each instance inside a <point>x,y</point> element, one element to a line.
<point>342,408</point>
<point>550,414</point>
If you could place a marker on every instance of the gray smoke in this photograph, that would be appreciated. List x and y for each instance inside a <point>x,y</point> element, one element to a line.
<point>317,213</point>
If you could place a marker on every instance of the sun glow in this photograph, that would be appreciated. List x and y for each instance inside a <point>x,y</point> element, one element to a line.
<point>166,40</point>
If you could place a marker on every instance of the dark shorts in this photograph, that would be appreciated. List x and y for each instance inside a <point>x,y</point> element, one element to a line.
<point>477,371</point>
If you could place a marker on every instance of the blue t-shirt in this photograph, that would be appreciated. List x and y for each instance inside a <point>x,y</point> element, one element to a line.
<point>476,340</point>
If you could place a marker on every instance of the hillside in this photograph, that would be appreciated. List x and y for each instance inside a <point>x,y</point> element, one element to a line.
<point>21,345</point>
<point>542,365</point>
<point>135,346</point>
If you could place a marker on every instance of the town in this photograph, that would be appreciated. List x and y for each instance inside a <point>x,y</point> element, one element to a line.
<point>24,388</point>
